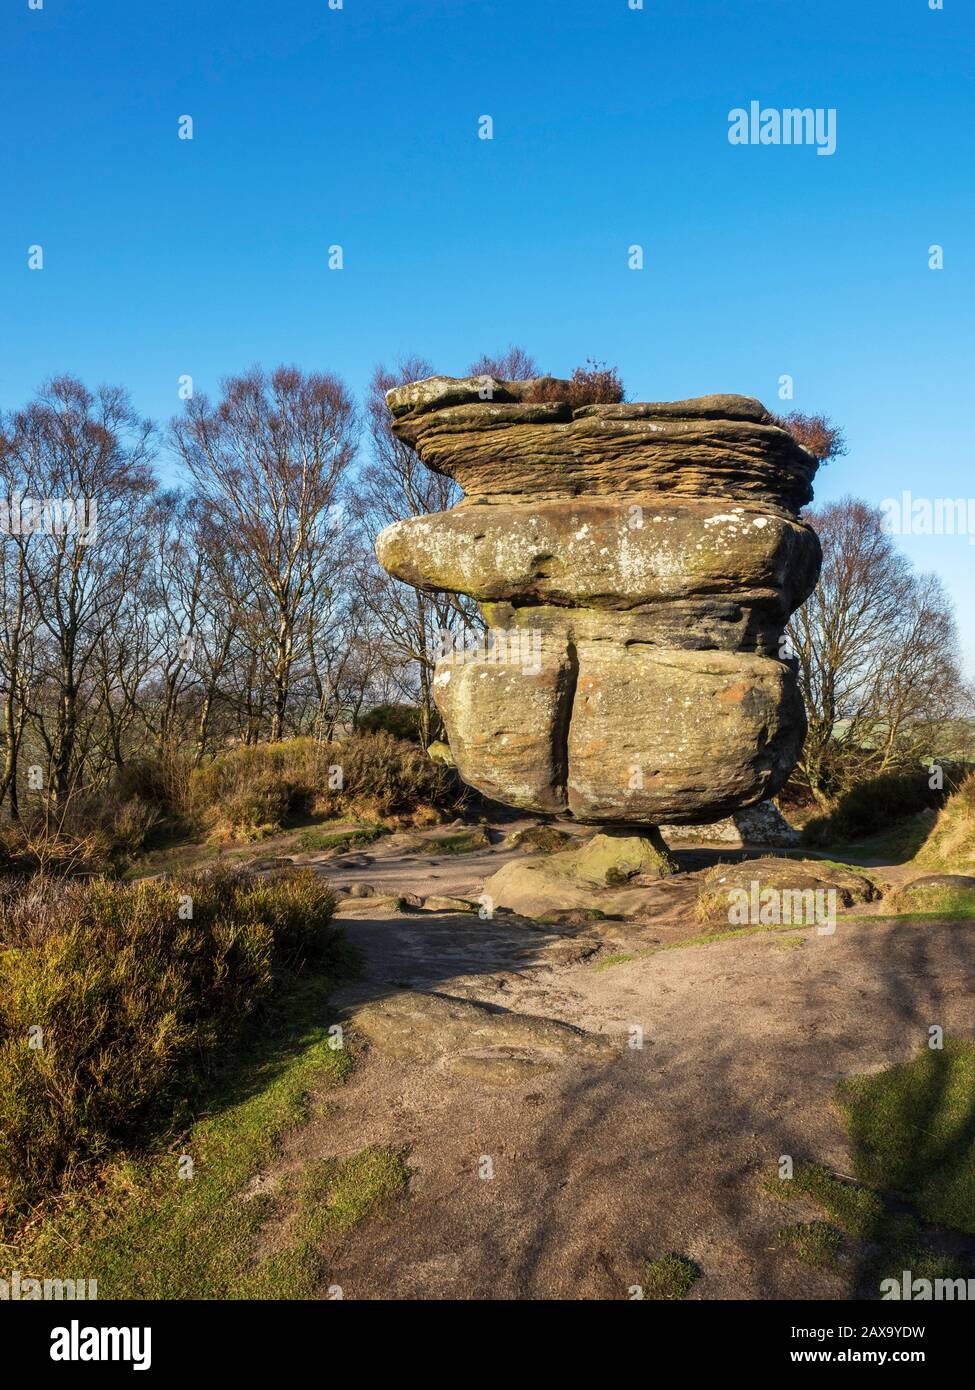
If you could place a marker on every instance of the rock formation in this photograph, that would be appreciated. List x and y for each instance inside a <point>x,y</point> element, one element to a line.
<point>635,565</point>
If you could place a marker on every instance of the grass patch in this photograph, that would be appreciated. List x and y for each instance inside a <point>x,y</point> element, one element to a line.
<point>902,1244</point>
<point>330,1198</point>
<point>318,838</point>
<point>856,1209</point>
<point>670,1277</point>
<point>707,938</point>
<point>620,959</point>
<point>898,844</point>
<point>702,939</point>
<point>912,1129</point>
<point>935,905</point>
<point>813,1242</point>
<point>951,843</point>
<point>878,804</point>
<point>842,865</point>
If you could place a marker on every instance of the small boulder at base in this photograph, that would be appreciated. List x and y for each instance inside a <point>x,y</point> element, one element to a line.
<point>544,839</point>
<point>790,875</point>
<point>360,890</point>
<point>607,874</point>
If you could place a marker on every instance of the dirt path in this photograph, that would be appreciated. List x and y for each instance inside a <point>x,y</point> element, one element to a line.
<point>600,1160</point>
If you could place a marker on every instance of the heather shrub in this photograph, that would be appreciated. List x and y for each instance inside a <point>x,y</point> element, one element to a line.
<point>367,776</point>
<point>91,835</point>
<point>159,781</point>
<point>99,828</point>
<point>259,786</point>
<point>385,776</point>
<point>593,384</point>
<point>113,999</point>
<point>817,433</point>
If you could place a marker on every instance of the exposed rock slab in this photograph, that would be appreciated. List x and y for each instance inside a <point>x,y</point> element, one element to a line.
<point>504,446</point>
<point>610,553</point>
<point>932,883</point>
<point>489,1044</point>
<point>797,875</point>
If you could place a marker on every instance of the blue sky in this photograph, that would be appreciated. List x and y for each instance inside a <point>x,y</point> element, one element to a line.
<point>359,127</point>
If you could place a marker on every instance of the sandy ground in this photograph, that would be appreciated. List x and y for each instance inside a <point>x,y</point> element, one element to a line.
<point>597,1165</point>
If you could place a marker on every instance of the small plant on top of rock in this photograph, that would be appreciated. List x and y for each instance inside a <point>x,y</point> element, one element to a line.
<point>593,384</point>
<point>817,433</point>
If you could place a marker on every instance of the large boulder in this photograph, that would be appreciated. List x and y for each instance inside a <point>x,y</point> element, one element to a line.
<point>636,566</point>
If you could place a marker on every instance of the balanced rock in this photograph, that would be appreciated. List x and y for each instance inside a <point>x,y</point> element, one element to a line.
<point>636,566</point>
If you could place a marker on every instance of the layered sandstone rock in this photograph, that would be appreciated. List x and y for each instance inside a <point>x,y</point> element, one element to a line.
<point>636,566</point>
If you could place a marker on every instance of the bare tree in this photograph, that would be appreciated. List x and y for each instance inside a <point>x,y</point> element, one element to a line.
<point>84,460</point>
<point>268,460</point>
<point>878,655</point>
<point>17,619</point>
<point>514,364</point>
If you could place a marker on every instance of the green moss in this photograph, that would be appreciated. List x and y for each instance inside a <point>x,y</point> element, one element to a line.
<point>614,860</point>
<point>544,839</point>
<point>328,1198</point>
